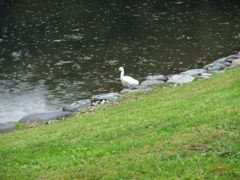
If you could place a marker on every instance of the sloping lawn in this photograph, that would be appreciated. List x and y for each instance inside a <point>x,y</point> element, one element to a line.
<point>187,132</point>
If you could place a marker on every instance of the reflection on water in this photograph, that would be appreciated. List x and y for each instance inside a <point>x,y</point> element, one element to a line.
<point>16,105</point>
<point>72,49</point>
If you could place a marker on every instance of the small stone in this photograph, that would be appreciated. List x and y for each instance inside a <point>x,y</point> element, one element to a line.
<point>78,106</point>
<point>235,63</point>
<point>227,63</point>
<point>102,102</point>
<point>180,79</point>
<point>52,122</point>
<point>194,72</point>
<point>107,96</point>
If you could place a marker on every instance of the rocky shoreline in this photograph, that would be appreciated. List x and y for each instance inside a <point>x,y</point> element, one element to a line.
<point>86,105</point>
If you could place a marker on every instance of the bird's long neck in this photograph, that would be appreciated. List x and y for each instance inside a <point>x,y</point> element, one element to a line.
<point>122,74</point>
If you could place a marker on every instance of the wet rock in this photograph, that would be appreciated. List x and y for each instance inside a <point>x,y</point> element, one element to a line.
<point>79,106</point>
<point>151,82</point>
<point>107,96</point>
<point>227,63</point>
<point>221,60</point>
<point>157,77</point>
<point>180,79</point>
<point>7,127</point>
<point>44,117</point>
<point>214,67</point>
<point>194,72</point>
<point>217,65</point>
<point>96,103</point>
<point>231,58</point>
<point>235,63</point>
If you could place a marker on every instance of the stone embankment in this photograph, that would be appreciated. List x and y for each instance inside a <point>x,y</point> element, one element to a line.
<point>86,105</point>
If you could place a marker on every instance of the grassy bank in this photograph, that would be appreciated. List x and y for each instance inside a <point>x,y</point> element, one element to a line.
<point>192,131</point>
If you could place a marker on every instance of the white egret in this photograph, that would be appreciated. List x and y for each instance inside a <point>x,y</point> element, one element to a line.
<point>127,81</point>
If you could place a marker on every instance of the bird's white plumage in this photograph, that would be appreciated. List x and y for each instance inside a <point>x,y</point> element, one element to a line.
<point>127,81</point>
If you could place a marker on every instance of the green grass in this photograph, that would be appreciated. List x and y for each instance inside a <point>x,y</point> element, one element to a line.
<point>187,132</point>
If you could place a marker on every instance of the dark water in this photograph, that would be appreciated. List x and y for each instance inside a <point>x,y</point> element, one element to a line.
<point>56,52</point>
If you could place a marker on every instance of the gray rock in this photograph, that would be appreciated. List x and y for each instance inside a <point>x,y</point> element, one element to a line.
<point>151,82</point>
<point>218,65</point>
<point>215,66</point>
<point>227,63</point>
<point>7,127</point>
<point>44,117</point>
<point>78,106</point>
<point>221,60</point>
<point>107,96</point>
<point>235,63</point>
<point>157,77</point>
<point>194,72</point>
<point>145,89</point>
<point>180,79</point>
<point>142,87</point>
<point>231,58</point>
<point>224,61</point>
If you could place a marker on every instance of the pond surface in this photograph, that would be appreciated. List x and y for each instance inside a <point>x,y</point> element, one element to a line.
<point>59,51</point>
